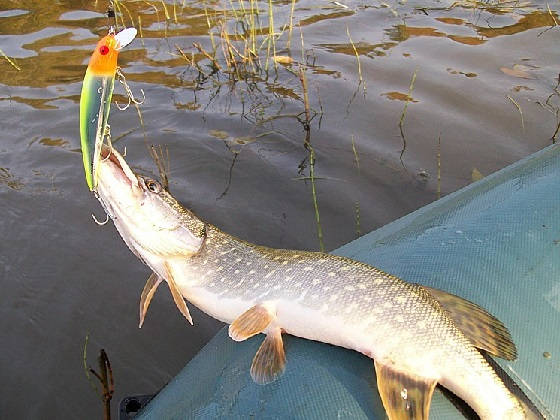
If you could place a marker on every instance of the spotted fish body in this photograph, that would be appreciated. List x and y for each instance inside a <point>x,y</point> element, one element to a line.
<point>415,335</point>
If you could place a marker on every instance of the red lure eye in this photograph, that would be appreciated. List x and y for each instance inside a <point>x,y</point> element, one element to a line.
<point>104,50</point>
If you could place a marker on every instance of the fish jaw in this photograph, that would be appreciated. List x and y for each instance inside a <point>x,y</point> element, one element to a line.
<point>119,188</point>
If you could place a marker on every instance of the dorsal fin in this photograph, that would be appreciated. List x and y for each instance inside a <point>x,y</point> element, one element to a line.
<point>484,330</point>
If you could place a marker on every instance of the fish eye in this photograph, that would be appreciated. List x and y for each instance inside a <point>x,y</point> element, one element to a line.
<point>153,186</point>
<point>104,50</point>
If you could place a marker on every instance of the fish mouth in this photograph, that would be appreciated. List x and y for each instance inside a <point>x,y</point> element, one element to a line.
<point>110,156</point>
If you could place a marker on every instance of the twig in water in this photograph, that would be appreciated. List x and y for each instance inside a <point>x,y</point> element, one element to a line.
<point>403,114</point>
<point>117,4</point>
<point>356,157</point>
<point>553,20</point>
<point>230,172</point>
<point>309,147</point>
<point>105,377</point>
<point>13,64</point>
<point>189,62</point>
<point>291,24</point>
<point>208,56</point>
<point>519,109</point>
<point>553,108</point>
<point>175,13</point>
<point>357,60</point>
<point>140,29</point>
<point>271,37</point>
<point>307,143</point>
<point>86,370</point>
<point>553,138</point>
<point>160,160</point>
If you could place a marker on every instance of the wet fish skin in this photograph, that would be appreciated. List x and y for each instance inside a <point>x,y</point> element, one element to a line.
<point>411,336</point>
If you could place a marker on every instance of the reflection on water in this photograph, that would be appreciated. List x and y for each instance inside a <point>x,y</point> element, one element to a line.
<point>399,96</point>
<point>363,48</point>
<point>536,19</point>
<point>239,129</point>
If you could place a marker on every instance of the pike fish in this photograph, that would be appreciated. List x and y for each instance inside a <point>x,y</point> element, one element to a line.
<point>417,336</point>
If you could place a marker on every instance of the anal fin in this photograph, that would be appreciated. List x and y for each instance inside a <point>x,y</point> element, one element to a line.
<point>405,396</point>
<point>251,322</point>
<point>484,330</point>
<point>177,296</point>
<point>147,294</point>
<point>270,360</point>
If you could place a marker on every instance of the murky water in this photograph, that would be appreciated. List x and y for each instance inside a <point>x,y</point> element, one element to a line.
<point>471,84</point>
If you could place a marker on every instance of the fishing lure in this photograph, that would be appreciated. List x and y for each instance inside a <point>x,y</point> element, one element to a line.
<point>95,99</point>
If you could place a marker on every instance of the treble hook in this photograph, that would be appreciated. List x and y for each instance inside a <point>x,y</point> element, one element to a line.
<point>98,222</point>
<point>129,94</point>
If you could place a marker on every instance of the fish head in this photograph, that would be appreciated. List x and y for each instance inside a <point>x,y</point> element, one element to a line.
<point>149,219</point>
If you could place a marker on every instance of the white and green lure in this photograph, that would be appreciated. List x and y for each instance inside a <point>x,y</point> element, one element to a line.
<point>95,99</point>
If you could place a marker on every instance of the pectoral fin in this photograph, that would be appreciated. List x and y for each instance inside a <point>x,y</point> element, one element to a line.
<point>177,296</point>
<point>270,361</point>
<point>405,396</point>
<point>251,322</point>
<point>480,327</point>
<point>147,294</point>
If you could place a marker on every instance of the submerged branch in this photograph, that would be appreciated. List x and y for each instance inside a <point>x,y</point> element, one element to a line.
<point>104,376</point>
<point>519,109</point>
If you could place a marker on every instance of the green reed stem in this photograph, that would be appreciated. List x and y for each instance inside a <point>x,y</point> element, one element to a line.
<point>12,63</point>
<point>357,59</point>
<point>403,114</point>
<point>291,24</point>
